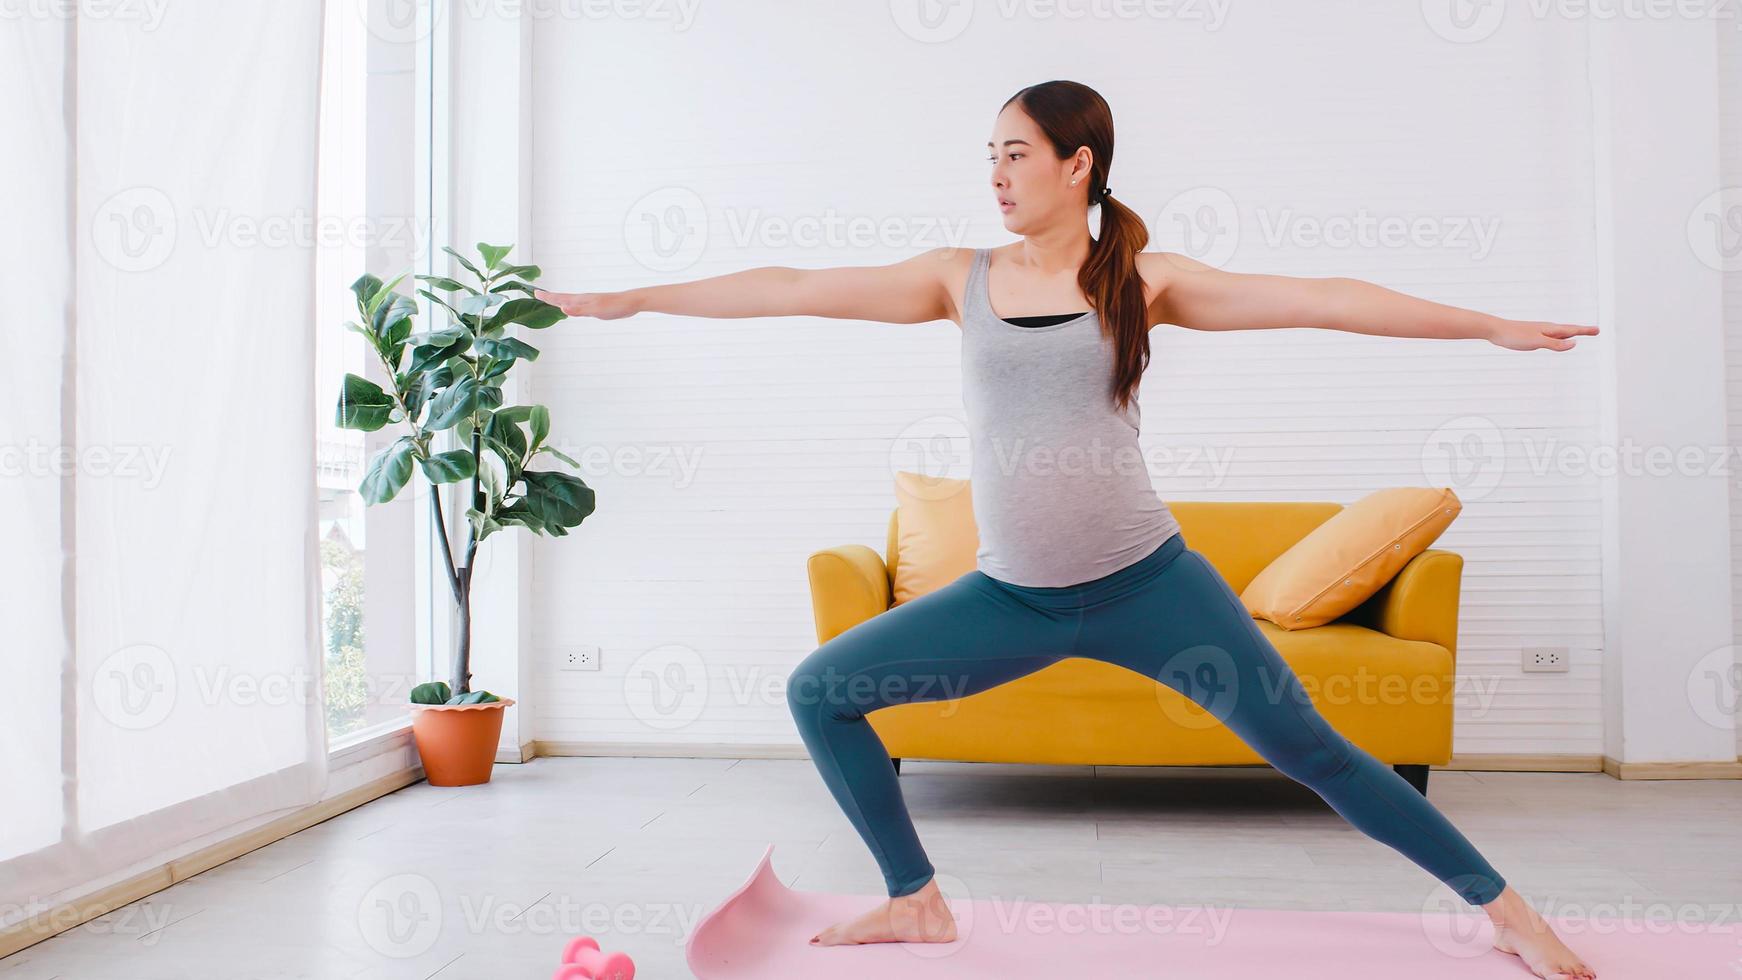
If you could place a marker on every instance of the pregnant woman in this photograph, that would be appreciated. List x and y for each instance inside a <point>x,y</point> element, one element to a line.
<point>1084,561</point>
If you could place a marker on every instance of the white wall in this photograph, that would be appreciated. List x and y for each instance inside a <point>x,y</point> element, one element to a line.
<point>1667,561</point>
<point>1730,158</point>
<point>756,120</point>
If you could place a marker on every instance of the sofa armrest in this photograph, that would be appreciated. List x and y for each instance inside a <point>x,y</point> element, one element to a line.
<point>1420,602</point>
<point>849,584</point>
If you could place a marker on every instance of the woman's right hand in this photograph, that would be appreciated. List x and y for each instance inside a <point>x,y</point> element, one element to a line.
<point>602,306</point>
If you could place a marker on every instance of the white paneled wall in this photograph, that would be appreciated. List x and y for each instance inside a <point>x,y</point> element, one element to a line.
<point>1251,142</point>
<point>1730,132</point>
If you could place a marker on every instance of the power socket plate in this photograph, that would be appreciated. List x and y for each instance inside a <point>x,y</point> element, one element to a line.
<point>1545,659</point>
<point>579,658</point>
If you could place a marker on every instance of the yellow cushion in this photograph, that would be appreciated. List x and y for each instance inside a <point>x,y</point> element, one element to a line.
<point>1343,561</point>
<point>938,539</point>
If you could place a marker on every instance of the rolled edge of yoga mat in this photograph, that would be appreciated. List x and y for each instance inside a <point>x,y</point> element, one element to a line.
<point>702,950</point>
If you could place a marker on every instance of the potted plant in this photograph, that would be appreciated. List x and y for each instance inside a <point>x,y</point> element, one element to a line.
<point>449,379</point>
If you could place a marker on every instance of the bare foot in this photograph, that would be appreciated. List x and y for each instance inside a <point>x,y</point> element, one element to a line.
<point>1519,930</point>
<point>921,917</point>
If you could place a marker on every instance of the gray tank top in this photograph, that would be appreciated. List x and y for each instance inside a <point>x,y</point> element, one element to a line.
<point>1061,491</point>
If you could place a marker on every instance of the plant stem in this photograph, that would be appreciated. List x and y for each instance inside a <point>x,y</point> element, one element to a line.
<point>463,652</point>
<point>435,502</point>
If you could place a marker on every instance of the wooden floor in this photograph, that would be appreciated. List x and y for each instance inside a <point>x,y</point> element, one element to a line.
<point>489,882</point>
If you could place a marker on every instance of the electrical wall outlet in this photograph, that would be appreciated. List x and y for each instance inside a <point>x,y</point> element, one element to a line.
<point>1545,658</point>
<point>580,658</point>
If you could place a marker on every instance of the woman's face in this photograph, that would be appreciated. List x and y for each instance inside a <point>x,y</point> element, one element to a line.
<point>1031,184</point>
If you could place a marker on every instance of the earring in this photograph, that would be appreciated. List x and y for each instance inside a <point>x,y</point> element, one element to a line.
<point>1073,183</point>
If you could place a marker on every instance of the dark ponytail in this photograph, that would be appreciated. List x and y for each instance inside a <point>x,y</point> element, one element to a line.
<point>1073,115</point>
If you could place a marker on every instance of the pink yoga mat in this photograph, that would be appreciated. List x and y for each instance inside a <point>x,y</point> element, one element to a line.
<point>762,931</point>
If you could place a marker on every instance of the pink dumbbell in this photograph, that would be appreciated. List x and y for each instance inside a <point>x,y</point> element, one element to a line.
<point>583,961</point>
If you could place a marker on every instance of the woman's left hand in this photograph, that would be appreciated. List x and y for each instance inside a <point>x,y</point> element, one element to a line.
<point>1537,334</point>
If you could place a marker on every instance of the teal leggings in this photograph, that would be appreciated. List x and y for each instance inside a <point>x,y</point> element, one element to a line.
<point>1170,616</point>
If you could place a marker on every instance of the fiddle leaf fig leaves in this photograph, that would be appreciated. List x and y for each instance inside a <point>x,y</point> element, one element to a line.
<point>444,304</point>
<point>507,350</point>
<point>392,315</point>
<point>428,357</point>
<point>362,405</point>
<point>519,512</point>
<point>491,484</point>
<point>540,426</point>
<point>481,304</point>
<point>448,285</point>
<point>388,471</point>
<point>442,337</point>
<point>469,267</point>
<point>415,389</point>
<point>503,436</point>
<point>493,254</point>
<point>453,403</point>
<point>558,500</point>
<point>483,525</point>
<point>526,311</point>
<point>474,697</point>
<point>559,455</point>
<point>365,288</point>
<point>435,692</point>
<point>489,397</point>
<point>450,467</point>
<point>450,378</point>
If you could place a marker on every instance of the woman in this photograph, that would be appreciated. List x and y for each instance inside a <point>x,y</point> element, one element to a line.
<point>1083,561</point>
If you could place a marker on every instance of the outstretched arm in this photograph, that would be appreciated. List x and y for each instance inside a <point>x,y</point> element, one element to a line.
<point>911,291</point>
<point>1191,294</point>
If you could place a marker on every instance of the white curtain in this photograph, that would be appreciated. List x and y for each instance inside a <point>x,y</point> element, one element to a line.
<point>36,275</point>
<point>167,584</point>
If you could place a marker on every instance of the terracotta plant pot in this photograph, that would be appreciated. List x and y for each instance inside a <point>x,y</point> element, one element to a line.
<point>457,742</point>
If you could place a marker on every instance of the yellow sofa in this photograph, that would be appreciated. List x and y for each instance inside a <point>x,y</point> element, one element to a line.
<point>1383,675</point>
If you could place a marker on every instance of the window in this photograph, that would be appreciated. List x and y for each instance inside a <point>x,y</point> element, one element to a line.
<point>374,90</point>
